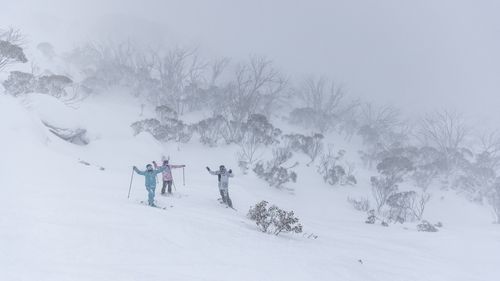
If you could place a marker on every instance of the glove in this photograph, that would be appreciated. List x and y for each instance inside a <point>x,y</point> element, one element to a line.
<point>183,166</point>
<point>208,169</point>
<point>230,171</point>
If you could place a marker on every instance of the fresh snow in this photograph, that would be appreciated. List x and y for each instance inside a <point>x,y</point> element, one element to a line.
<point>63,220</point>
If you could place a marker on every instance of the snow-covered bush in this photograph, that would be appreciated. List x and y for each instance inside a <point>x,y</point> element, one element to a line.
<point>19,83</point>
<point>392,170</point>
<point>333,171</point>
<point>257,132</point>
<point>372,218</point>
<point>147,125</point>
<point>10,50</point>
<point>53,85</point>
<point>273,219</point>
<point>312,145</point>
<point>210,130</point>
<point>426,227</point>
<point>382,189</point>
<point>361,204</point>
<point>165,113</point>
<point>174,130</point>
<point>273,171</point>
<point>170,130</point>
<point>406,206</point>
<point>22,83</point>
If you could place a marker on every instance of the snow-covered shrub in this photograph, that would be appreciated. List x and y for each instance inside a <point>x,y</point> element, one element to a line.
<point>372,218</point>
<point>257,132</point>
<point>170,130</point>
<point>426,226</point>
<point>22,83</point>
<point>174,130</point>
<point>395,167</point>
<point>257,127</point>
<point>333,172</point>
<point>406,206</point>
<point>147,125</point>
<point>10,50</point>
<point>382,189</point>
<point>19,83</point>
<point>361,204</point>
<point>53,85</point>
<point>164,113</point>
<point>273,219</point>
<point>312,146</point>
<point>232,131</point>
<point>273,171</point>
<point>210,130</point>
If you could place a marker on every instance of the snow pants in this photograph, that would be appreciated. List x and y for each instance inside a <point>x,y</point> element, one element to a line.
<point>165,184</point>
<point>224,193</point>
<point>151,194</point>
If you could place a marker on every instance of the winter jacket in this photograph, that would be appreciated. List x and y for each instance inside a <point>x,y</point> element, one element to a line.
<point>223,178</point>
<point>150,176</point>
<point>167,174</point>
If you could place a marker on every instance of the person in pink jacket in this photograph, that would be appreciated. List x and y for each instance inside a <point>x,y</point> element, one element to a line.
<point>167,175</point>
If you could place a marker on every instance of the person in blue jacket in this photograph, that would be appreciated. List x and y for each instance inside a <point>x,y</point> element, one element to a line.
<point>150,177</point>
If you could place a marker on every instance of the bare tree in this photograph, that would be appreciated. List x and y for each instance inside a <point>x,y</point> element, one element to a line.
<point>178,70</point>
<point>445,131</point>
<point>217,67</point>
<point>257,87</point>
<point>382,127</point>
<point>327,100</point>
<point>490,150</point>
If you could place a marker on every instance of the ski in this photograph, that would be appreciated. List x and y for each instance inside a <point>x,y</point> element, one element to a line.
<point>222,203</point>
<point>156,206</point>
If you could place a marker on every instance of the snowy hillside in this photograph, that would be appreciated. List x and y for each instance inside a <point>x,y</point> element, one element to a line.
<point>63,219</point>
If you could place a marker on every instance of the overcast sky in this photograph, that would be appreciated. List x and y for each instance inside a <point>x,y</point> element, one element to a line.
<point>417,55</point>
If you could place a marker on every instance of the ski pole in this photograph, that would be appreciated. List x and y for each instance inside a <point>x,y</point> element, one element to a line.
<point>131,179</point>
<point>183,178</point>
<point>173,182</point>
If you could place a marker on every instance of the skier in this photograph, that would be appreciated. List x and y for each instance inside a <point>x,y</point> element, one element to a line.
<point>150,177</point>
<point>223,176</point>
<point>167,175</point>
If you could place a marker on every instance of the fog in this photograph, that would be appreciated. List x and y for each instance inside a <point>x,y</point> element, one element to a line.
<point>417,55</point>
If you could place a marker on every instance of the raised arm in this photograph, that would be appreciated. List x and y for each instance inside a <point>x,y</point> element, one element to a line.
<point>142,173</point>
<point>215,173</point>
<point>160,170</point>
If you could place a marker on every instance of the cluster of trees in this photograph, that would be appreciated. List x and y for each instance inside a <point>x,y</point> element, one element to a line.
<point>243,97</point>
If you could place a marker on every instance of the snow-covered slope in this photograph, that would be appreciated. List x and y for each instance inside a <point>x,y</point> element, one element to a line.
<point>64,220</point>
